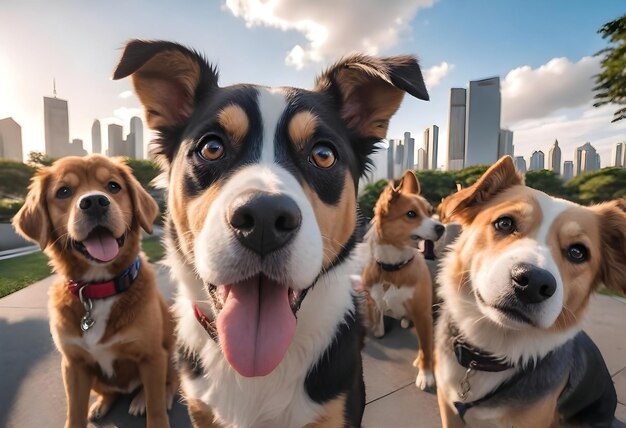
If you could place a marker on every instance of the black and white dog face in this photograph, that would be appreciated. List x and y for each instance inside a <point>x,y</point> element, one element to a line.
<point>262,181</point>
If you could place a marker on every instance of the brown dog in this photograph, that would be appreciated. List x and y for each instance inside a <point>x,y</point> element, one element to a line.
<point>107,317</point>
<point>396,277</point>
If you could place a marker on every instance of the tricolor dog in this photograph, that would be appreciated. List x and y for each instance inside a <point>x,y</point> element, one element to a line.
<point>107,317</point>
<point>262,221</point>
<point>515,286</point>
<point>396,277</point>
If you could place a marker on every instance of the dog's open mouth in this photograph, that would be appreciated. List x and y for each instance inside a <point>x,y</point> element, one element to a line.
<point>256,324</point>
<point>100,245</point>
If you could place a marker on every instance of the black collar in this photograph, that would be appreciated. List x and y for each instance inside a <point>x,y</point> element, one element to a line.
<point>388,267</point>
<point>472,357</point>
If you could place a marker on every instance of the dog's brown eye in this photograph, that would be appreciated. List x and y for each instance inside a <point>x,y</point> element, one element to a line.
<point>411,214</point>
<point>211,148</point>
<point>113,187</point>
<point>577,253</point>
<point>504,225</point>
<point>64,192</point>
<point>322,156</point>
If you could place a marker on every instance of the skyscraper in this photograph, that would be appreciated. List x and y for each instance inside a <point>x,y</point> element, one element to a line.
<point>57,127</point>
<point>398,158</point>
<point>456,129</point>
<point>537,161</point>
<point>586,159</point>
<point>554,158</point>
<point>505,143</point>
<point>76,148</point>
<point>390,159</point>
<point>96,137</point>
<point>431,146</point>
<point>409,151</point>
<point>10,140</point>
<point>618,155</point>
<point>422,159</point>
<point>568,170</point>
<point>136,130</point>
<point>520,164</point>
<point>117,145</point>
<point>483,122</point>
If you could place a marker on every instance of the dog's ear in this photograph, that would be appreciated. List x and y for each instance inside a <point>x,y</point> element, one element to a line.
<point>409,183</point>
<point>32,220</point>
<point>145,209</point>
<point>168,79</point>
<point>613,244</point>
<point>370,90</point>
<point>388,195</point>
<point>463,205</point>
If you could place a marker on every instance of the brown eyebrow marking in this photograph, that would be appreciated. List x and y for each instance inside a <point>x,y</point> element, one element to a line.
<point>302,128</point>
<point>235,122</point>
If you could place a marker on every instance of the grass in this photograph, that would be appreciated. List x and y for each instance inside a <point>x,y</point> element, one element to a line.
<point>611,292</point>
<point>19,272</point>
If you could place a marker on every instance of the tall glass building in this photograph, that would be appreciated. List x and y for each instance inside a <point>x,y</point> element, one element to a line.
<point>483,122</point>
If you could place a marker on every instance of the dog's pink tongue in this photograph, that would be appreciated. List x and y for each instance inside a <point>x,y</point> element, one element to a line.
<point>256,326</point>
<point>101,246</point>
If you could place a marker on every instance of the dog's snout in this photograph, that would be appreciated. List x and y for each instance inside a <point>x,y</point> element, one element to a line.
<point>95,205</point>
<point>264,222</point>
<point>531,283</point>
<point>439,230</point>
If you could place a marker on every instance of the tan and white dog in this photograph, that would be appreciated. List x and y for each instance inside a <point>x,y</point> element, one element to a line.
<point>396,276</point>
<point>515,286</point>
<point>107,317</point>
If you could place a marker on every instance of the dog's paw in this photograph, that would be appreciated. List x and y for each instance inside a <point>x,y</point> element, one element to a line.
<point>100,407</point>
<point>379,330</point>
<point>138,405</point>
<point>405,323</point>
<point>425,380</point>
<point>169,398</point>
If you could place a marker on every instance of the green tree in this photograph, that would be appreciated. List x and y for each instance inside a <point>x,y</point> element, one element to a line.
<point>369,196</point>
<point>145,171</point>
<point>37,159</point>
<point>547,181</point>
<point>611,81</point>
<point>436,185</point>
<point>14,179</point>
<point>598,186</point>
<point>468,176</point>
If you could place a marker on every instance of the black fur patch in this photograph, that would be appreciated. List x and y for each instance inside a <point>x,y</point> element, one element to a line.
<point>189,364</point>
<point>340,370</point>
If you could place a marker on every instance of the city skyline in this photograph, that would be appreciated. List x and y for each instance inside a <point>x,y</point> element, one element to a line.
<point>542,52</point>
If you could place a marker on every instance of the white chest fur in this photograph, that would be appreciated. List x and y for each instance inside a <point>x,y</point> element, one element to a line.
<point>392,301</point>
<point>90,340</point>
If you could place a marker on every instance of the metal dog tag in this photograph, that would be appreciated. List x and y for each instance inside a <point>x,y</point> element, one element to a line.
<point>86,321</point>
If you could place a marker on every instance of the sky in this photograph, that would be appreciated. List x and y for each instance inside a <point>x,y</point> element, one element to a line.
<point>542,51</point>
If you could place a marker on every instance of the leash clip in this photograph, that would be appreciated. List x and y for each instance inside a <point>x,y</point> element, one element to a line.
<point>86,321</point>
<point>465,384</point>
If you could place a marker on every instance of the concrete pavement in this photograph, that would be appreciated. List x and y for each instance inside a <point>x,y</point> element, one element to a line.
<point>31,390</point>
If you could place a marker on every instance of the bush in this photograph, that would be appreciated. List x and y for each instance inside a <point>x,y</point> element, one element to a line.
<point>14,179</point>
<point>8,208</point>
<point>598,186</point>
<point>145,171</point>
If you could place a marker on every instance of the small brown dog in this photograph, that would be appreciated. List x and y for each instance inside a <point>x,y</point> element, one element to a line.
<point>397,278</point>
<point>107,317</point>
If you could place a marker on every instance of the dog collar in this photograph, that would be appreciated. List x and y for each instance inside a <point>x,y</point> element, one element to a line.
<point>474,358</point>
<point>388,267</point>
<point>205,322</point>
<point>102,290</point>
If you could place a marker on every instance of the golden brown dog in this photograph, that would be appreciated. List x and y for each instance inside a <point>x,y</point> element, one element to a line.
<point>516,285</point>
<point>107,317</point>
<point>396,277</point>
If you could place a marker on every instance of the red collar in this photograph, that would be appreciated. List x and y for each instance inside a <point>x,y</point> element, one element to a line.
<point>102,290</point>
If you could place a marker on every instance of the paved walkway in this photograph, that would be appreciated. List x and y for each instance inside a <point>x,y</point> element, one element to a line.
<point>31,390</point>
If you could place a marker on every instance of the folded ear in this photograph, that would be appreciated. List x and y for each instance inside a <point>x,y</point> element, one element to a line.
<point>370,89</point>
<point>613,244</point>
<point>145,209</point>
<point>463,205</point>
<point>409,183</point>
<point>168,79</point>
<point>32,221</point>
<point>388,195</point>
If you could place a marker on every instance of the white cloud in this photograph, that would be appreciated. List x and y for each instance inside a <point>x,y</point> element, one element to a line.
<point>331,28</point>
<point>529,93</point>
<point>126,94</point>
<point>434,74</point>
<point>125,113</point>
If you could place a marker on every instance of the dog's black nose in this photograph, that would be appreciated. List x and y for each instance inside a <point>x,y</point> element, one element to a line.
<point>94,205</point>
<point>532,284</point>
<point>264,222</point>
<point>439,229</point>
